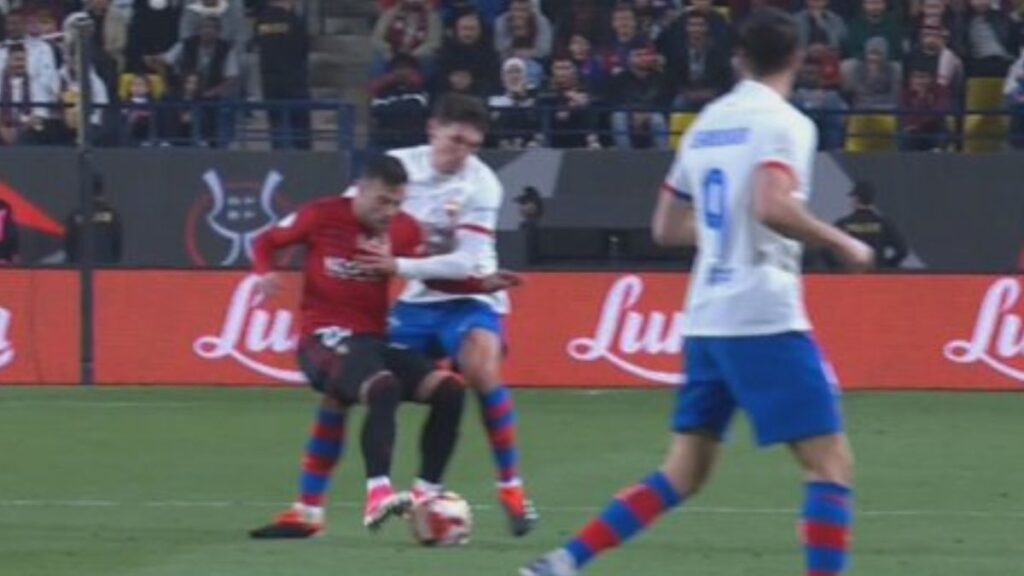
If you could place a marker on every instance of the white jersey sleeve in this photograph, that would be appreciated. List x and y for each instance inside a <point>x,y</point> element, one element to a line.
<point>788,148</point>
<point>677,182</point>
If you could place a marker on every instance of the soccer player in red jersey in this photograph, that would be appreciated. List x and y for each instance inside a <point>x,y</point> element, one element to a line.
<point>343,352</point>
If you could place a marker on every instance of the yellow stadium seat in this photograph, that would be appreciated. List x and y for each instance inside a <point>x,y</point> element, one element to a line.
<point>156,86</point>
<point>985,133</point>
<point>871,133</point>
<point>984,94</point>
<point>725,11</point>
<point>678,124</point>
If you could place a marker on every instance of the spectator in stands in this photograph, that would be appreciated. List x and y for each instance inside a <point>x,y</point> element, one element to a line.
<point>470,47</point>
<point>41,57</point>
<point>230,13</point>
<point>704,71</point>
<point>399,105</point>
<point>990,41</point>
<point>106,229</point>
<point>673,42</point>
<point>638,93</point>
<point>109,40</point>
<point>409,27</point>
<point>186,121</point>
<point>522,31</point>
<point>626,37</point>
<point>1013,91</point>
<point>653,16</point>
<point>515,120</point>
<point>933,13</point>
<point>283,45</point>
<point>567,102</point>
<point>822,103</point>
<point>873,82</point>
<point>868,225</point>
<point>137,112</point>
<point>875,22</point>
<point>20,121</point>
<point>931,52</point>
<point>718,25</point>
<point>819,25</point>
<point>591,73</point>
<point>10,248</point>
<point>925,104</point>
<point>460,80</point>
<point>828,62</point>
<point>153,29</point>
<point>585,17</point>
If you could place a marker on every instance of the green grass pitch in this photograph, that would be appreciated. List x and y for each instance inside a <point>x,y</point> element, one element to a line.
<point>159,482</point>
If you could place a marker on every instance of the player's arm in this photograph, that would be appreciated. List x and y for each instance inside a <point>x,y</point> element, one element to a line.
<point>777,206</point>
<point>291,230</point>
<point>673,222</point>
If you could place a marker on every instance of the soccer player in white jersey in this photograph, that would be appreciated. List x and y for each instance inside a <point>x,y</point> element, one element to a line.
<point>737,190</point>
<point>456,198</point>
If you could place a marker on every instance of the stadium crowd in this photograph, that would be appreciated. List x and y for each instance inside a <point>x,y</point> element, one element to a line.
<point>160,69</point>
<point>631,74</point>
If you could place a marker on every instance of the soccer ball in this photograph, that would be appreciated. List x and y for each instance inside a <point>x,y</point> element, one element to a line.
<point>444,519</point>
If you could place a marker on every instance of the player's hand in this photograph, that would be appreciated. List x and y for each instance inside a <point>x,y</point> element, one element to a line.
<point>855,255</point>
<point>376,258</point>
<point>501,280</point>
<point>267,285</point>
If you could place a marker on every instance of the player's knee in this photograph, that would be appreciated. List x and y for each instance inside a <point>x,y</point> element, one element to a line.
<point>480,360</point>
<point>383,390</point>
<point>834,465</point>
<point>449,396</point>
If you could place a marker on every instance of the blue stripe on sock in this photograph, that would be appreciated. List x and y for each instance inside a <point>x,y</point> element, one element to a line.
<point>579,552</point>
<point>505,458</point>
<point>820,504</point>
<point>504,422</point>
<point>323,448</point>
<point>330,418</point>
<point>823,560</point>
<point>312,484</point>
<point>661,486</point>
<point>621,520</point>
<point>495,397</point>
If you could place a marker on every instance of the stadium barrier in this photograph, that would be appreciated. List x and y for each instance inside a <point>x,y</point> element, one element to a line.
<point>567,330</point>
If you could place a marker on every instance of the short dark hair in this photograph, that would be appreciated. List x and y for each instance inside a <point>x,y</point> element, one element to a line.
<point>768,40</point>
<point>461,109</point>
<point>386,169</point>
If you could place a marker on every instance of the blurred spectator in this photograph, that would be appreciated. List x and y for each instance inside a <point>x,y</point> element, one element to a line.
<point>673,42</point>
<point>186,121</point>
<point>567,101</point>
<point>868,225</point>
<point>461,80</point>
<point>990,41</point>
<point>515,120</point>
<point>470,47</point>
<point>585,17</point>
<point>874,22</point>
<point>822,103</point>
<point>531,208</point>
<point>873,82</point>
<point>20,121</point>
<point>230,13</point>
<point>819,25</point>
<point>409,27</point>
<point>487,10</point>
<point>71,89</point>
<point>41,57</point>
<point>931,52</point>
<point>522,49</point>
<point>653,16</point>
<point>153,29</point>
<point>209,57</point>
<point>636,93</point>
<point>522,31</point>
<point>925,104</point>
<point>1013,91</point>
<point>109,40</point>
<point>828,63</point>
<point>588,66</point>
<point>626,37</point>
<point>704,72</point>
<point>399,105</point>
<point>933,13</point>
<point>9,246</point>
<point>283,45</point>
<point>138,114</point>
<point>106,229</point>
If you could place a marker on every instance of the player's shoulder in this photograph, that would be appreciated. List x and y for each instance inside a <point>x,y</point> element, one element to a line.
<point>482,178</point>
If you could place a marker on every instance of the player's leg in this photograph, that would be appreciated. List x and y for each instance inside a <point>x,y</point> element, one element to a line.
<point>444,393</point>
<point>791,397</point>
<point>366,380</point>
<point>473,337</point>
<point>324,450</point>
<point>704,408</point>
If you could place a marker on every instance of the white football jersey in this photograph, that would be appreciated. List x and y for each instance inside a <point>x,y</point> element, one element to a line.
<point>746,280</point>
<point>454,209</point>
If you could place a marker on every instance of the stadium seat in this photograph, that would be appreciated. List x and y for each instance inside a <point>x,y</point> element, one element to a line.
<point>984,94</point>
<point>871,133</point>
<point>984,133</point>
<point>156,86</point>
<point>678,124</point>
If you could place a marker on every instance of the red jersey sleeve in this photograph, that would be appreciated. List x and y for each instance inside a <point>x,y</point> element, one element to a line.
<point>291,230</point>
<point>406,237</point>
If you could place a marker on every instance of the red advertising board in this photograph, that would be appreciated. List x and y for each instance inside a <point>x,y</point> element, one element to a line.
<point>39,327</point>
<point>566,329</point>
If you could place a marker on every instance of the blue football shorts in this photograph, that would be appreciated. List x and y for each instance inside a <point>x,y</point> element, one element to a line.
<point>780,381</point>
<point>437,329</point>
